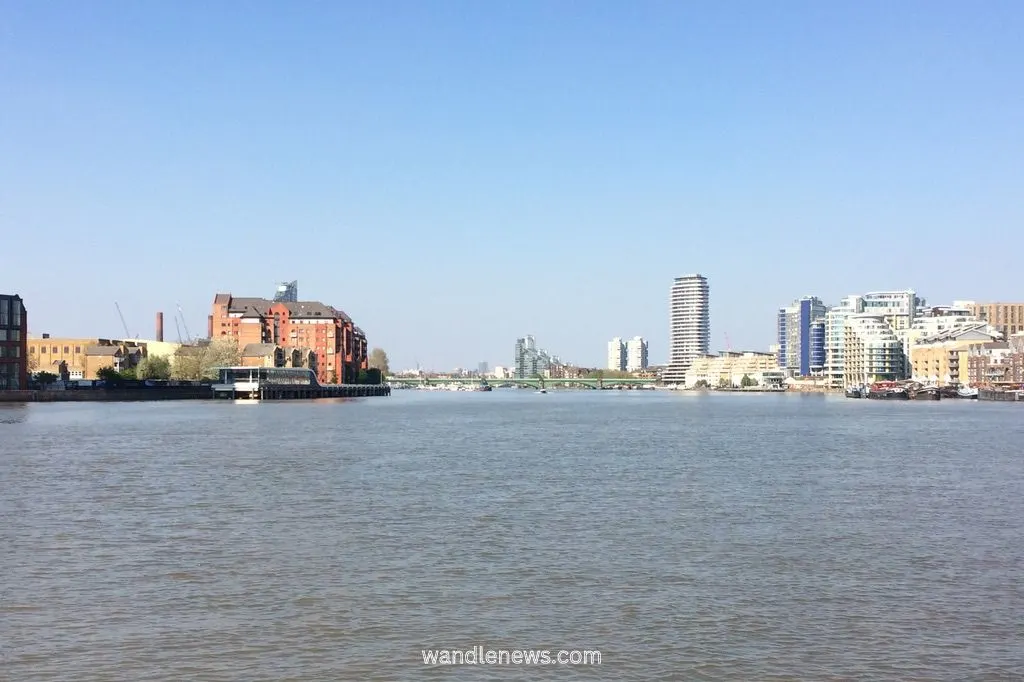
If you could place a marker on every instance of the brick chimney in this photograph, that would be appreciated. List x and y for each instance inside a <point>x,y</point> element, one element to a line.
<point>209,326</point>
<point>160,326</point>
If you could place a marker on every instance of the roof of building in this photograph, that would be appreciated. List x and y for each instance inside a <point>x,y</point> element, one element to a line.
<point>258,350</point>
<point>222,299</point>
<point>310,309</point>
<point>956,332</point>
<point>103,350</point>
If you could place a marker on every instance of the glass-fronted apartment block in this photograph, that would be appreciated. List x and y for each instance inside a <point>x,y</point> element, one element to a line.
<point>13,343</point>
<point>872,351</point>
<point>531,361</point>
<point>801,337</point>
<point>835,323</point>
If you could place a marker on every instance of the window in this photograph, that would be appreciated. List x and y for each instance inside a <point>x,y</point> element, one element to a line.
<point>42,349</point>
<point>67,350</point>
<point>78,349</point>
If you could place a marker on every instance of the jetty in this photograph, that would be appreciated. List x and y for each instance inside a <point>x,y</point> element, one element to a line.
<point>285,383</point>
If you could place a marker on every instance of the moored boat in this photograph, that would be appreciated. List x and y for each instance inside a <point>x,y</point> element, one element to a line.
<point>887,390</point>
<point>967,392</point>
<point>926,393</point>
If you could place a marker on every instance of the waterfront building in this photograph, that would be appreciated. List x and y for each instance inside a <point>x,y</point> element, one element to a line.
<point>13,343</point>
<point>616,355</point>
<point>273,355</point>
<point>942,359</point>
<point>340,346</point>
<point>531,361</point>
<point>872,351</point>
<point>636,354</point>
<point>835,323</point>
<point>1008,318</point>
<point>997,364</point>
<point>801,337</point>
<point>689,325</point>
<point>728,369</point>
<point>83,358</point>
<point>482,369</point>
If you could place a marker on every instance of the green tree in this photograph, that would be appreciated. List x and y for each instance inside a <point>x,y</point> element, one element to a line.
<point>198,362</point>
<point>724,383</point>
<point>378,359</point>
<point>108,374</point>
<point>45,378</point>
<point>154,367</point>
<point>747,381</point>
<point>702,383</point>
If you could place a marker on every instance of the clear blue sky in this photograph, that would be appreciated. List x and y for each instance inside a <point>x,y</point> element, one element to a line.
<point>458,174</point>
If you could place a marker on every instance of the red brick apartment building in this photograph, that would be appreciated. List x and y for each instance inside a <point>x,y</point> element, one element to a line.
<point>13,343</point>
<point>340,346</point>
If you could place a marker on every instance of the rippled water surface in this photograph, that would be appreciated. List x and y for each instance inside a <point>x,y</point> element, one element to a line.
<point>686,537</point>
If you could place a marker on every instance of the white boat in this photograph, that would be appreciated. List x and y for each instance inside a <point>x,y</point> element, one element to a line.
<point>967,392</point>
<point>543,390</point>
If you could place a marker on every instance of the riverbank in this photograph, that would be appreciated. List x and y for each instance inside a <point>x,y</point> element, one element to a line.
<point>187,393</point>
<point>109,395</point>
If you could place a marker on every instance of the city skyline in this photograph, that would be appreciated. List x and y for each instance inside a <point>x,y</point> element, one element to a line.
<point>527,135</point>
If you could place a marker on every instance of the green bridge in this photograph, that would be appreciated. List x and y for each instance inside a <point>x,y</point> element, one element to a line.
<point>536,382</point>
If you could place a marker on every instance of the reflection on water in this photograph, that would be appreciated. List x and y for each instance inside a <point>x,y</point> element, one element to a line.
<point>722,537</point>
<point>12,413</point>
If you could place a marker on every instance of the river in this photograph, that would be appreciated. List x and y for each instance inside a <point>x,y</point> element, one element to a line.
<point>685,537</point>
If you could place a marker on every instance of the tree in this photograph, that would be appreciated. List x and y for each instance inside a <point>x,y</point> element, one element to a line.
<point>195,363</point>
<point>724,383</point>
<point>33,363</point>
<point>747,381</point>
<point>108,374</point>
<point>702,383</point>
<point>378,359</point>
<point>45,378</point>
<point>332,377</point>
<point>154,367</point>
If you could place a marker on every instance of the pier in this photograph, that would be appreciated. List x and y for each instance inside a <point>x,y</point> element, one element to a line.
<point>285,383</point>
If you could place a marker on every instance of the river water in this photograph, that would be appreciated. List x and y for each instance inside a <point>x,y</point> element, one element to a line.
<point>685,537</point>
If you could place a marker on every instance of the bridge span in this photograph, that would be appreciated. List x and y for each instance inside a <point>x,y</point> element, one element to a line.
<point>535,382</point>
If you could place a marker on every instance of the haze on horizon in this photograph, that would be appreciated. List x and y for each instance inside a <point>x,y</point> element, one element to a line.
<point>457,175</point>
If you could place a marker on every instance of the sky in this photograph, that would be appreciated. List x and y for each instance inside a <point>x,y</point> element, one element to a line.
<point>458,174</point>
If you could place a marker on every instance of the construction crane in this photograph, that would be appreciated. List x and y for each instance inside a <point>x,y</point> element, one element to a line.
<point>188,335</point>
<point>127,334</point>
<point>177,326</point>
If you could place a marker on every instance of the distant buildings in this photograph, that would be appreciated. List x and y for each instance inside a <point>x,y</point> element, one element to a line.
<point>339,345</point>
<point>636,354</point>
<point>287,292</point>
<point>729,370</point>
<point>689,325</point>
<point>1008,318</point>
<point>13,348</point>
<point>801,337</point>
<point>483,368</point>
<point>531,361</point>
<point>616,355</point>
<point>627,356</point>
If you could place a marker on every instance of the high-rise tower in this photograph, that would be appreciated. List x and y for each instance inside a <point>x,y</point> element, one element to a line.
<point>690,325</point>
